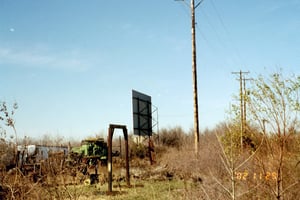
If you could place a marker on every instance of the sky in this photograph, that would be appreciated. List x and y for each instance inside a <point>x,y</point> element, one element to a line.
<point>71,65</point>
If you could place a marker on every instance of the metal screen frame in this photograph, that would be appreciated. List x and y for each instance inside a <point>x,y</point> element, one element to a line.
<point>142,114</point>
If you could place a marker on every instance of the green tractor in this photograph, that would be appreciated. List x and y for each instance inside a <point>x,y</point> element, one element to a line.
<point>92,150</point>
<point>88,157</point>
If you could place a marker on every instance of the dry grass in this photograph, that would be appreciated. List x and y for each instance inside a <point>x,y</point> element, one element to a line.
<point>177,174</point>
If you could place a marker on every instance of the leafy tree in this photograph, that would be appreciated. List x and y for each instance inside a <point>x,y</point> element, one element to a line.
<point>273,104</point>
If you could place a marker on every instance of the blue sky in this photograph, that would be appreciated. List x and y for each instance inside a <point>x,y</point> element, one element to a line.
<point>71,65</point>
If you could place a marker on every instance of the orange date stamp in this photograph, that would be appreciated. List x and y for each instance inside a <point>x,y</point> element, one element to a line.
<point>245,175</point>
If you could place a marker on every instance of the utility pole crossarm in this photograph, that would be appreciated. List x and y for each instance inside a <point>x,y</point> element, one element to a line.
<point>195,6</point>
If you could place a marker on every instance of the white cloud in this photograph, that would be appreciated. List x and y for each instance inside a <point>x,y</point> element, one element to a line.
<point>35,58</point>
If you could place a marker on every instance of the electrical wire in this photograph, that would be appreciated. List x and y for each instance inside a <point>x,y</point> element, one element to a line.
<point>236,51</point>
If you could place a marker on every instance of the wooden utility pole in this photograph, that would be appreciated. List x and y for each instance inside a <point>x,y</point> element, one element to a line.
<point>245,99</point>
<point>194,71</point>
<point>242,103</point>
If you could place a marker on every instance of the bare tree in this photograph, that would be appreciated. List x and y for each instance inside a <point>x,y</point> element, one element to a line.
<point>6,120</point>
<point>235,180</point>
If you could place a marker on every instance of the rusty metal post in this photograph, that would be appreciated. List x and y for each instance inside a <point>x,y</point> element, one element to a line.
<point>126,156</point>
<point>109,158</point>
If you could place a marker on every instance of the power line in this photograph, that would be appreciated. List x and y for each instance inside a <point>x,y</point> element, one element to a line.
<point>213,29</point>
<point>227,32</point>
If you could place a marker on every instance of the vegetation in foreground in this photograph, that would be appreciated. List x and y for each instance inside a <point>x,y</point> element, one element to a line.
<point>259,161</point>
